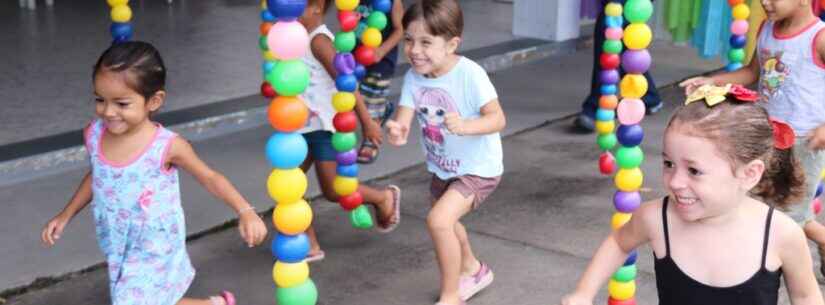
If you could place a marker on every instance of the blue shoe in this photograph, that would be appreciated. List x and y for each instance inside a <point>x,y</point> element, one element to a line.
<point>584,123</point>
<point>654,109</point>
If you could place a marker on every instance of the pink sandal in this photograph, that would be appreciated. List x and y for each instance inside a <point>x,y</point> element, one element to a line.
<point>396,202</point>
<point>228,298</point>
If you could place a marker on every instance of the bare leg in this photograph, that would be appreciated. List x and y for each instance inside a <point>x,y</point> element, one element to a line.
<point>441,223</point>
<point>190,301</point>
<point>314,246</point>
<point>469,263</point>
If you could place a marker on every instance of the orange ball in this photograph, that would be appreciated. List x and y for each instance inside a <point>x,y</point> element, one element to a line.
<point>608,102</point>
<point>287,113</point>
<point>733,3</point>
<point>265,26</point>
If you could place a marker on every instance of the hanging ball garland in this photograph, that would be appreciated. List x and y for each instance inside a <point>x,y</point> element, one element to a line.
<point>739,29</point>
<point>121,15</point>
<point>609,78</point>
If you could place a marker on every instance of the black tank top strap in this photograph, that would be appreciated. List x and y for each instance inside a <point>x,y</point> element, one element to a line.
<point>664,225</point>
<point>767,235</point>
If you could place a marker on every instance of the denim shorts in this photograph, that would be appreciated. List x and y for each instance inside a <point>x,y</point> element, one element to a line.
<point>320,145</point>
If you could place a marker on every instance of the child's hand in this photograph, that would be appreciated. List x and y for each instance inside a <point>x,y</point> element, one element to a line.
<point>692,83</point>
<point>397,132</point>
<point>372,132</point>
<point>253,230</point>
<point>53,229</point>
<point>575,299</point>
<point>454,123</point>
<point>816,139</point>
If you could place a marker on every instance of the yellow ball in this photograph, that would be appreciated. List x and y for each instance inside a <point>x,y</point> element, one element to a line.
<point>613,9</point>
<point>292,218</point>
<point>114,3</point>
<point>121,13</point>
<point>346,5</point>
<point>286,185</point>
<point>605,127</point>
<point>621,291</point>
<point>268,56</point>
<point>629,180</point>
<point>822,174</point>
<point>371,37</point>
<point>287,275</point>
<point>637,36</point>
<point>343,101</point>
<point>345,185</point>
<point>741,11</point>
<point>263,4</point>
<point>633,86</point>
<point>619,219</point>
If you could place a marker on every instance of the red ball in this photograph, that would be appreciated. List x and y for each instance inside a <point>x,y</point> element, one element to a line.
<point>348,20</point>
<point>817,206</point>
<point>609,61</point>
<point>607,164</point>
<point>345,121</point>
<point>365,55</point>
<point>630,301</point>
<point>351,201</point>
<point>267,90</point>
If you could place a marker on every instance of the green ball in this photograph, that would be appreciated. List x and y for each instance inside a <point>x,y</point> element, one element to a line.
<point>360,218</point>
<point>612,46</point>
<point>377,20</point>
<point>303,294</point>
<point>638,11</point>
<point>262,43</point>
<point>625,274</point>
<point>344,141</point>
<point>629,157</point>
<point>606,141</point>
<point>290,77</point>
<point>345,42</point>
<point>736,55</point>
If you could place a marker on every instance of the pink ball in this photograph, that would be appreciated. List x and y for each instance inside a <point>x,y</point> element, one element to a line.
<point>630,111</point>
<point>739,27</point>
<point>614,33</point>
<point>817,206</point>
<point>288,40</point>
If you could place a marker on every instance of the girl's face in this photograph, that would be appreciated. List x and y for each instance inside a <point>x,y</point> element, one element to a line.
<point>701,181</point>
<point>428,55</point>
<point>121,108</point>
<point>781,9</point>
<point>432,114</point>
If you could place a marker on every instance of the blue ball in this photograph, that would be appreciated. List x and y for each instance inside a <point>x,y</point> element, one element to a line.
<point>819,189</point>
<point>605,115</point>
<point>290,248</point>
<point>630,135</point>
<point>119,29</point>
<point>121,39</point>
<point>614,21</point>
<point>268,66</point>
<point>382,5</point>
<point>738,41</point>
<point>286,150</point>
<point>346,82</point>
<point>286,9</point>
<point>608,89</point>
<point>360,71</point>
<point>631,259</point>
<point>267,16</point>
<point>733,66</point>
<point>348,170</point>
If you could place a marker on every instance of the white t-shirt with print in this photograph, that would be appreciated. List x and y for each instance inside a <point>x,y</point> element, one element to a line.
<point>318,95</point>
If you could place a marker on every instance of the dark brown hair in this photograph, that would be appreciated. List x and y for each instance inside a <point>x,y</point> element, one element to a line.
<point>743,133</point>
<point>146,72</point>
<point>326,3</point>
<point>442,18</point>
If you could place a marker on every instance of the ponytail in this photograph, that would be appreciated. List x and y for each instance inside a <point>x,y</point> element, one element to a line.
<point>783,182</point>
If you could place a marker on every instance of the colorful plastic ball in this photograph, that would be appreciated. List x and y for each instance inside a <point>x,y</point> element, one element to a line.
<point>264,28</point>
<point>348,20</point>
<point>286,9</point>
<point>613,21</point>
<point>637,36</point>
<point>608,102</point>
<point>819,189</point>
<point>629,180</point>
<point>344,185</point>
<point>360,71</point>
<point>608,89</point>
<point>121,39</point>
<point>286,150</point>
<point>633,86</point>
<point>733,66</point>
<point>738,41</point>
<point>345,42</point>
<point>631,258</point>
<point>346,82</point>
<point>343,101</point>
<point>268,66</point>
<point>638,11</point>
<point>630,135</point>
<point>351,201</point>
<point>371,38</point>
<point>290,274</point>
<point>377,20</point>
<point>636,61</point>
<point>607,164</point>
<point>290,248</point>
<point>605,115</point>
<point>817,206</point>
<point>612,301</point>
<point>609,61</point>
<point>612,46</point>
<point>344,63</point>
<point>268,56</point>
<point>631,111</point>
<point>344,141</point>
<point>286,186</point>
<point>121,13</point>
<point>613,9</point>
<point>267,16</point>
<point>619,219</point>
<point>263,44</point>
<point>741,11</point>
<point>347,157</point>
<point>347,170</point>
<point>627,202</point>
<point>629,157</point>
<point>609,76</point>
<point>290,77</point>
<point>345,122</point>
<point>287,113</point>
<point>120,29</point>
<point>739,27</point>
<point>303,294</point>
<point>625,274</point>
<point>114,3</point>
<point>384,6</point>
<point>606,141</point>
<point>621,290</point>
<point>614,33</point>
<point>288,40</point>
<point>292,218</point>
<point>736,55</point>
<point>360,217</point>
<point>365,55</point>
<point>346,5</point>
<point>733,3</point>
<point>605,127</point>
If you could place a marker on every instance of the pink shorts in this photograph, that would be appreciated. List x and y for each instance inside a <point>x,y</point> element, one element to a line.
<point>466,185</point>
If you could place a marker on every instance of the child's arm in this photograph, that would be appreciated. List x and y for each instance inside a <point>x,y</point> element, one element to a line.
<point>816,138</point>
<point>399,127</point>
<point>54,228</point>
<point>396,15</point>
<point>796,263</point>
<point>745,76</point>
<point>491,120</point>
<point>252,228</point>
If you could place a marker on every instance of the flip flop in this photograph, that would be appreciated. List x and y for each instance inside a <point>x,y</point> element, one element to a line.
<point>228,298</point>
<point>363,158</point>
<point>396,201</point>
<point>316,257</point>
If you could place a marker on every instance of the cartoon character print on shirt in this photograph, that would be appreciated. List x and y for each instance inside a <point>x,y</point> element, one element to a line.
<point>432,104</point>
<point>774,71</point>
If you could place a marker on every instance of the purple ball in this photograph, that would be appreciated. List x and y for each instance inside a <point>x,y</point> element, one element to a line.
<point>344,63</point>
<point>738,41</point>
<point>346,158</point>
<point>627,202</point>
<point>819,189</point>
<point>609,76</point>
<point>631,259</point>
<point>636,61</point>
